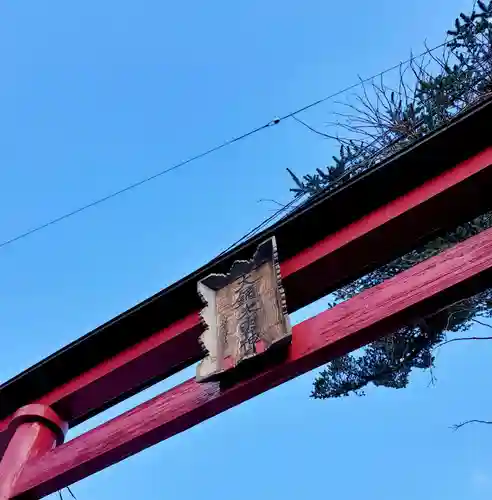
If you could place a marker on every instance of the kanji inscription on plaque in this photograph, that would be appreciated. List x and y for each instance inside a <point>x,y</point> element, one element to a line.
<point>245,313</point>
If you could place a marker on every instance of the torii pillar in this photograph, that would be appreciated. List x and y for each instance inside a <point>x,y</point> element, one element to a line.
<point>34,430</point>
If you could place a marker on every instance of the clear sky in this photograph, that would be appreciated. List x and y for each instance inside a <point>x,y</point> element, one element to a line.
<point>96,95</point>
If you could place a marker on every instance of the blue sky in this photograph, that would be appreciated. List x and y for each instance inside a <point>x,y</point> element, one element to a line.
<point>96,95</point>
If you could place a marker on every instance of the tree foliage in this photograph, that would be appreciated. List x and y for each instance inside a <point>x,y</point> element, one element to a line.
<point>432,90</point>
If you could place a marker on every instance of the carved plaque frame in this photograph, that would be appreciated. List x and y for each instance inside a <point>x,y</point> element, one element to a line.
<point>245,313</point>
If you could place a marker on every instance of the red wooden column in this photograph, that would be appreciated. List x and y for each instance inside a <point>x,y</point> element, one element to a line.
<point>34,430</point>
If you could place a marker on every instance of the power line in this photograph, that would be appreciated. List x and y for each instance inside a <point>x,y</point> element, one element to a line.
<point>214,149</point>
<point>289,207</point>
<point>292,204</point>
<point>284,209</point>
<point>133,186</point>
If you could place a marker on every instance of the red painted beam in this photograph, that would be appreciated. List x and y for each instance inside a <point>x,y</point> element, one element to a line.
<point>338,258</point>
<point>457,273</point>
<point>35,429</point>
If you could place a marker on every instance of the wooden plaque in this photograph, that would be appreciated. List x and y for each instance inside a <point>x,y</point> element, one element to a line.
<point>245,314</point>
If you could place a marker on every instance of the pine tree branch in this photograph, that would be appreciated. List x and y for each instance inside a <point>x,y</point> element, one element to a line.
<point>390,119</point>
<point>421,344</point>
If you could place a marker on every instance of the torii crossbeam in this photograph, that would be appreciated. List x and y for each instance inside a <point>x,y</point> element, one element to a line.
<point>434,186</point>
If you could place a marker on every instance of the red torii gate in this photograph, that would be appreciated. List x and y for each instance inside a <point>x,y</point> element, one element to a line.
<point>434,186</point>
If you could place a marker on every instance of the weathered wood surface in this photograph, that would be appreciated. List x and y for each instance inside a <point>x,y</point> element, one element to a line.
<point>245,313</point>
<point>455,274</point>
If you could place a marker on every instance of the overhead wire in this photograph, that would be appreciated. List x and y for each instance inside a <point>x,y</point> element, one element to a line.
<point>289,206</point>
<point>214,149</point>
<point>132,186</point>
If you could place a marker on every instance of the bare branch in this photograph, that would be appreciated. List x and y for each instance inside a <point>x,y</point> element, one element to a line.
<point>459,339</point>
<point>455,427</point>
<point>482,323</point>
<point>71,493</point>
<point>434,58</point>
<point>270,200</point>
<point>312,129</point>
